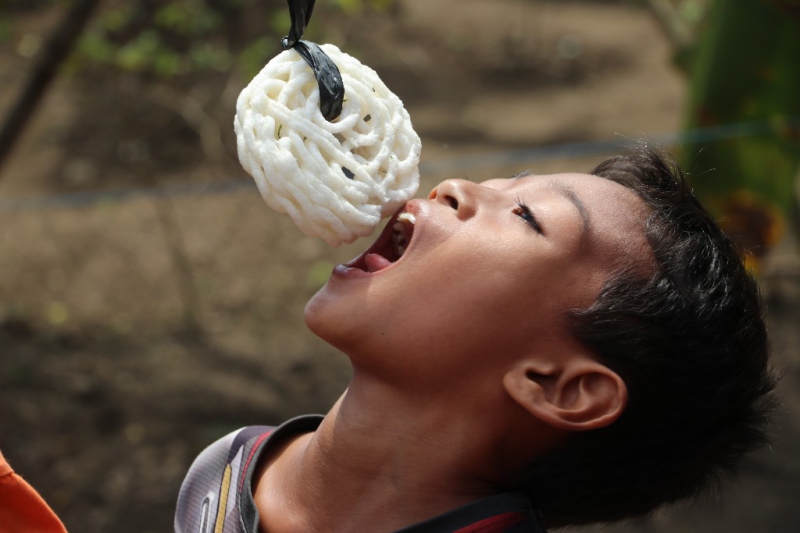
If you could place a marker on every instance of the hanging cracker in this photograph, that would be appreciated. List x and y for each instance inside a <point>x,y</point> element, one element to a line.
<point>336,179</point>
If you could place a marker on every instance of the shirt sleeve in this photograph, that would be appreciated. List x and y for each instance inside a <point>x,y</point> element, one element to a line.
<point>21,507</point>
<point>206,484</point>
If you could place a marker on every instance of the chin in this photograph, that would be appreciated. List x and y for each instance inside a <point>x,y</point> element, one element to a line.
<point>326,321</point>
<point>314,311</point>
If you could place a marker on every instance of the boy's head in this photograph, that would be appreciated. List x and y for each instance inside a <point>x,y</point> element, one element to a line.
<point>691,345</point>
<point>598,331</point>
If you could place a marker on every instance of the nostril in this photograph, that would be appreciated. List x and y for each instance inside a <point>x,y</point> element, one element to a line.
<point>440,194</point>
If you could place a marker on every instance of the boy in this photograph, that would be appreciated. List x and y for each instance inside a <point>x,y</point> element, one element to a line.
<point>531,352</point>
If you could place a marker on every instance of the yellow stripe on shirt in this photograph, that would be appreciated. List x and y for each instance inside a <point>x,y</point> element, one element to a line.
<point>223,499</point>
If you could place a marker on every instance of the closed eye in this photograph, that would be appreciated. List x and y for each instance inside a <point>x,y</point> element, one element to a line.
<point>524,212</point>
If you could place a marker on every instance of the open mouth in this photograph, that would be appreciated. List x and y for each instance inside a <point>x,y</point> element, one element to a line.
<point>390,245</point>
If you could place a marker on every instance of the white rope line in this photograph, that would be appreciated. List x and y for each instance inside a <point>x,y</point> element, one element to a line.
<point>451,165</point>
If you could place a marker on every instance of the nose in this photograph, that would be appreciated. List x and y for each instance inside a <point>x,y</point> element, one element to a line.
<point>460,195</point>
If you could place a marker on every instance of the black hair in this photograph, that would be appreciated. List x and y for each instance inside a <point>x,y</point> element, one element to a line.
<point>689,342</point>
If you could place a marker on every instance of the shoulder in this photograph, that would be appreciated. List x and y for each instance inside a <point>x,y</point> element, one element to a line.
<point>210,487</point>
<point>216,491</point>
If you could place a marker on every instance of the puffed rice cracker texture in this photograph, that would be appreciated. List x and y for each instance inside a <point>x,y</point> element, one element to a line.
<point>338,179</point>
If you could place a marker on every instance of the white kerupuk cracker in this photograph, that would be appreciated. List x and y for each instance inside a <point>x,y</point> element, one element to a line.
<point>338,179</point>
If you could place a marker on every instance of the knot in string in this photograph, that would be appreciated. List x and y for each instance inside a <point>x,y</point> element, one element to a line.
<point>331,87</point>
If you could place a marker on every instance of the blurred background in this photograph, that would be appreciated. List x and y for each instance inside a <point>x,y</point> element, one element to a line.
<point>150,302</point>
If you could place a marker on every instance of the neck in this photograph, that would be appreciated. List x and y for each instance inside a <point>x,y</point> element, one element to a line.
<point>381,460</point>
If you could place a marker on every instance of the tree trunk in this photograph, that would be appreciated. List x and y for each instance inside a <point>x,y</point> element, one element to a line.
<point>50,59</point>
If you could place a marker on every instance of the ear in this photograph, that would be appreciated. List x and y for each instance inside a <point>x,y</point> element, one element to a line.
<point>575,395</point>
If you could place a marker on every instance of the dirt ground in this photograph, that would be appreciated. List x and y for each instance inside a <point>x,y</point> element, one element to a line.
<point>133,333</point>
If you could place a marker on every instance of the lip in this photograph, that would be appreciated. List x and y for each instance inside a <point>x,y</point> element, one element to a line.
<point>350,270</point>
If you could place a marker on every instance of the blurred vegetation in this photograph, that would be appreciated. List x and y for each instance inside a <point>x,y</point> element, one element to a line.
<point>157,77</point>
<point>741,57</point>
<point>744,69</point>
<point>166,39</point>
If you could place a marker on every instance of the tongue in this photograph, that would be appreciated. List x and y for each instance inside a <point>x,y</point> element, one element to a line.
<point>375,262</point>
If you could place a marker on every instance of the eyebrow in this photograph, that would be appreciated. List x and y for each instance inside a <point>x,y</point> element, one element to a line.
<point>569,194</point>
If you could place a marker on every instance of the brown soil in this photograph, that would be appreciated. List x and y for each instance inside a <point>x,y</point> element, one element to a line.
<point>134,333</point>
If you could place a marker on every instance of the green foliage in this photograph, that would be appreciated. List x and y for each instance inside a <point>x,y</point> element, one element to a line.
<point>280,21</point>
<point>255,56</point>
<point>745,70</point>
<point>693,11</point>
<point>355,6</point>
<point>117,19</point>
<point>137,54</point>
<point>207,56</point>
<point>177,37</point>
<point>5,28</point>
<point>189,18</point>
<point>349,6</point>
<point>168,38</point>
<point>96,49</point>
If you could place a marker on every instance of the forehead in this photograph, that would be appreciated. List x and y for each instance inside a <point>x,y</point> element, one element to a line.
<point>587,186</point>
<point>606,199</point>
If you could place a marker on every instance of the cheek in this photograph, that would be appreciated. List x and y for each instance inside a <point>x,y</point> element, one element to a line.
<point>485,305</point>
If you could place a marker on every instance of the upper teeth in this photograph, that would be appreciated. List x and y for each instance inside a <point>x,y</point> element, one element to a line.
<point>398,237</point>
<point>407,216</point>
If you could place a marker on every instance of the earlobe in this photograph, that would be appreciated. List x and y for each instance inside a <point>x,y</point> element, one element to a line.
<point>579,395</point>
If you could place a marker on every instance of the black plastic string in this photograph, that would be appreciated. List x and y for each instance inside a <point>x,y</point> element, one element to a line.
<point>331,87</point>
